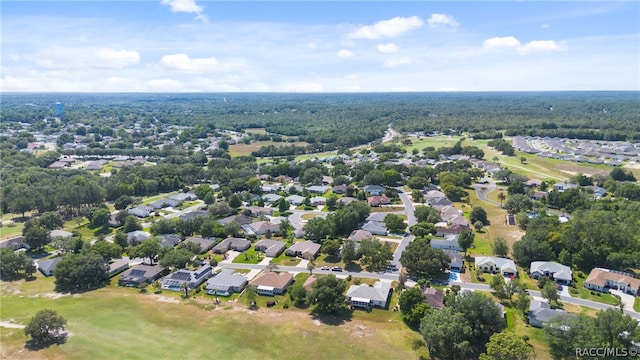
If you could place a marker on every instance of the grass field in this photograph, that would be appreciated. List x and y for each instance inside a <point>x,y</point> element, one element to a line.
<point>636,305</point>
<point>122,323</point>
<point>247,149</point>
<point>435,141</point>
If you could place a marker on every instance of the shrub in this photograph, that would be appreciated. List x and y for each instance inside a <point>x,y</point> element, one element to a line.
<point>349,278</point>
<point>525,338</point>
<point>417,344</point>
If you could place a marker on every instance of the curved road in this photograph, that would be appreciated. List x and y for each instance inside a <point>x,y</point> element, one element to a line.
<point>483,189</point>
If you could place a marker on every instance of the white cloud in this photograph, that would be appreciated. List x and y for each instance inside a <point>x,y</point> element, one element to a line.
<point>387,28</point>
<point>532,47</point>
<point>311,87</point>
<point>182,62</point>
<point>117,58</point>
<point>501,42</point>
<point>437,21</point>
<point>539,46</point>
<point>344,53</point>
<point>387,48</point>
<point>399,61</point>
<point>186,6</point>
<point>90,57</point>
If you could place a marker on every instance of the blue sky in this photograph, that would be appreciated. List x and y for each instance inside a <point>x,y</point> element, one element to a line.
<point>329,46</point>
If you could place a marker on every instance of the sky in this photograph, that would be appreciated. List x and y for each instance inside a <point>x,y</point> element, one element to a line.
<point>318,46</point>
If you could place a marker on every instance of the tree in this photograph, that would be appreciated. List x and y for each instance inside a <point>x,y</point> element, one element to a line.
<point>447,334</point>
<point>423,261</point>
<point>427,214</point>
<point>481,313</point>
<point>78,272</point>
<point>100,218</point>
<point>283,205</point>
<point>478,214</point>
<point>176,258</point>
<point>121,239</point>
<point>507,346</point>
<point>348,251</point>
<point>499,287</point>
<point>522,302</point>
<point>500,247</point>
<point>46,327</point>
<point>122,202</point>
<point>330,247</point>
<point>149,248</point>
<point>517,203</point>
<point>502,197</point>
<point>417,196</point>
<point>11,263</point>
<point>36,237</point>
<point>251,293</point>
<point>395,224</point>
<point>131,224</point>
<point>311,266</point>
<point>409,299</point>
<point>478,225</point>
<point>550,292</point>
<point>230,229</point>
<point>465,240</point>
<point>317,229</point>
<point>327,295</point>
<point>51,220</point>
<point>107,250</point>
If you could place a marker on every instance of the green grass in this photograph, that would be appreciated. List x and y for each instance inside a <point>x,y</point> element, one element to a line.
<point>7,231</point>
<point>131,325</point>
<point>435,141</point>
<point>636,304</point>
<point>250,256</point>
<point>285,260</point>
<point>584,293</point>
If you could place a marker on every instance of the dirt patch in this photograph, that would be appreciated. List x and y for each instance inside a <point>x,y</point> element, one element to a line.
<point>11,325</point>
<point>53,295</point>
<point>167,300</point>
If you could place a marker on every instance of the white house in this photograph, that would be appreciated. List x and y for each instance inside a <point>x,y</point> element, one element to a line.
<point>450,242</point>
<point>367,296</point>
<point>558,272</point>
<point>492,264</point>
<point>602,280</point>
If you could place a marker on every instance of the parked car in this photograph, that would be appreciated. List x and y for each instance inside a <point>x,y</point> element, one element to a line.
<point>324,268</point>
<point>336,268</point>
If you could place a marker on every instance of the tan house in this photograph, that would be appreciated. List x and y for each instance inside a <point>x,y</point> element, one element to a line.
<point>271,283</point>
<point>602,280</point>
<point>305,249</point>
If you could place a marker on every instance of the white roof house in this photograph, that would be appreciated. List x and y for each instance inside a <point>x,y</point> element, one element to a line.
<point>369,296</point>
<point>494,264</point>
<point>559,272</point>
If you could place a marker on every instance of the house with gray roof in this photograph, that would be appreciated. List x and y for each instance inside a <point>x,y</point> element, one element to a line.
<point>450,242</point>
<point>271,283</point>
<point>236,244</point>
<point>374,189</point>
<point>48,266</point>
<point>272,198</point>
<point>318,189</point>
<point>493,264</point>
<point>540,312</point>
<point>240,219</point>
<point>141,274</point>
<point>15,243</point>
<point>205,243</point>
<point>138,236</point>
<point>118,266</point>
<point>195,278</point>
<point>140,211</point>
<point>367,296</point>
<point>305,249</point>
<point>60,233</point>
<point>553,270</point>
<point>375,228</point>
<point>182,197</point>
<point>193,214</point>
<point>359,235</point>
<point>225,283</point>
<point>271,248</point>
<point>169,240</point>
<point>295,200</point>
<point>261,228</point>
<point>457,261</point>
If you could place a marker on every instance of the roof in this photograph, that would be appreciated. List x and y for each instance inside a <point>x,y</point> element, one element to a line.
<point>378,292</point>
<point>60,233</point>
<point>48,265</point>
<point>373,188</point>
<point>272,279</point>
<point>305,247</point>
<point>269,245</point>
<point>559,271</point>
<point>170,240</point>
<point>228,243</point>
<point>499,262</point>
<point>375,227</point>
<point>240,219</point>
<point>377,216</point>
<point>205,244</point>
<point>225,279</point>
<point>358,235</point>
<point>378,200</point>
<point>599,276</point>
<point>434,297</point>
<point>455,256</point>
<point>118,264</point>
<point>542,312</point>
<point>139,272</point>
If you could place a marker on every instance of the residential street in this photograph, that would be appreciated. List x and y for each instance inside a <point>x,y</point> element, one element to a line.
<point>411,220</point>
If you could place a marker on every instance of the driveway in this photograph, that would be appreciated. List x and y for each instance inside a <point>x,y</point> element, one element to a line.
<point>627,299</point>
<point>483,189</point>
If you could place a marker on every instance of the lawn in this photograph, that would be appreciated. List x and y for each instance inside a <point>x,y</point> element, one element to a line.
<point>636,305</point>
<point>435,141</point>
<point>251,256</point>
<point>246,149</point>
<point>285,260</point>
<point>584,293</point>
<point>7,231</point>
<point>131,325</point>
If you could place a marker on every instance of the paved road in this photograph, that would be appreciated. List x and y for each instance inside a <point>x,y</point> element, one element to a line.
<point>411,220</point>
<point>483,189</point>
<point>363,274</point>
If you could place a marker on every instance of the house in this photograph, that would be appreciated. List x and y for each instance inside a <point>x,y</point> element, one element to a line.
<point>540,313</point>
<point>563,186</point>
<point>326,180</point>
<point>443,229</point>
<point>308,284</point>
<point>340,189</point>
<point>141,274</point>
<point>270,188</point>
<point>138,236</point>
<point>182,197</point>
<point>47,266</point>
<point>295,200</point>
<point>260,210</point>
<point>15,243</point>
<point>493,264</point>
<point>271,283</point>
<point>59,234</point>
<point>225,283</point>
<point>533,183</point>
<point>235,244</point>
<point>434,297</point>
<point>193,279</point>
<point>271,248</point>
<point>598,192</point>
<point>271,198</point>
<point>375,228</point>
<point>457,261</point>
<point>305,249</point>
<point>118,266</point>
<point>169,240</point>
<point>602,280</point>
<point>366,296</point>
<point>163,203</point>
<point>318,189</point>
<point>347,200</point>
<point>377,216</point>
<point>140,211</point>
<point>240,219</point>
<point>374,190</point>
<point>318,200</point>
<point>359,235</point>
<point>193,214</point>
<point>553,270</point>
<point>378,200</point>
<point>539,195</point>
<point>450,242</point>
<point>261,228</point>
<point>448,213</point>
<point>205,243</point>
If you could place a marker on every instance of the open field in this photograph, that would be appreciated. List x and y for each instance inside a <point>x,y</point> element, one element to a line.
<point>426,141</point>
<point>246,149</point>
<point>131,325</point>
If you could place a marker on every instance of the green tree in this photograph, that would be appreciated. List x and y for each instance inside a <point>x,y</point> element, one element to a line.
<point>121,239</point>
<point>46,327</point>
<point>447,334</point>
<point>122,202</point>
<point>283,205</point>
<point>107,250</point>
<point>251,293</point>
<point>423,261</point>
<point>517,203</point>
<point>478,214</point>
<point>327,295</point>
<point>176,258</point>
<point>502,197</point>
<point>131,224</point>
<point>499,287</point>
<point>235,201</point>
<point>550,292</point>
<point>500,247</point>
<point>100,218</point>
<point>51,220</point>
<point>507,346</point>
<point>78,272</point>
<point>11,263</point>
<point>348,251</point>
<point>391,177</point>
<point>36,237</point>
<point>409,299</point>
<point>330,247</point>
<point>395,224</point>
<point>149,248</point>
<point>465,240</point>
<point>427,214</point>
